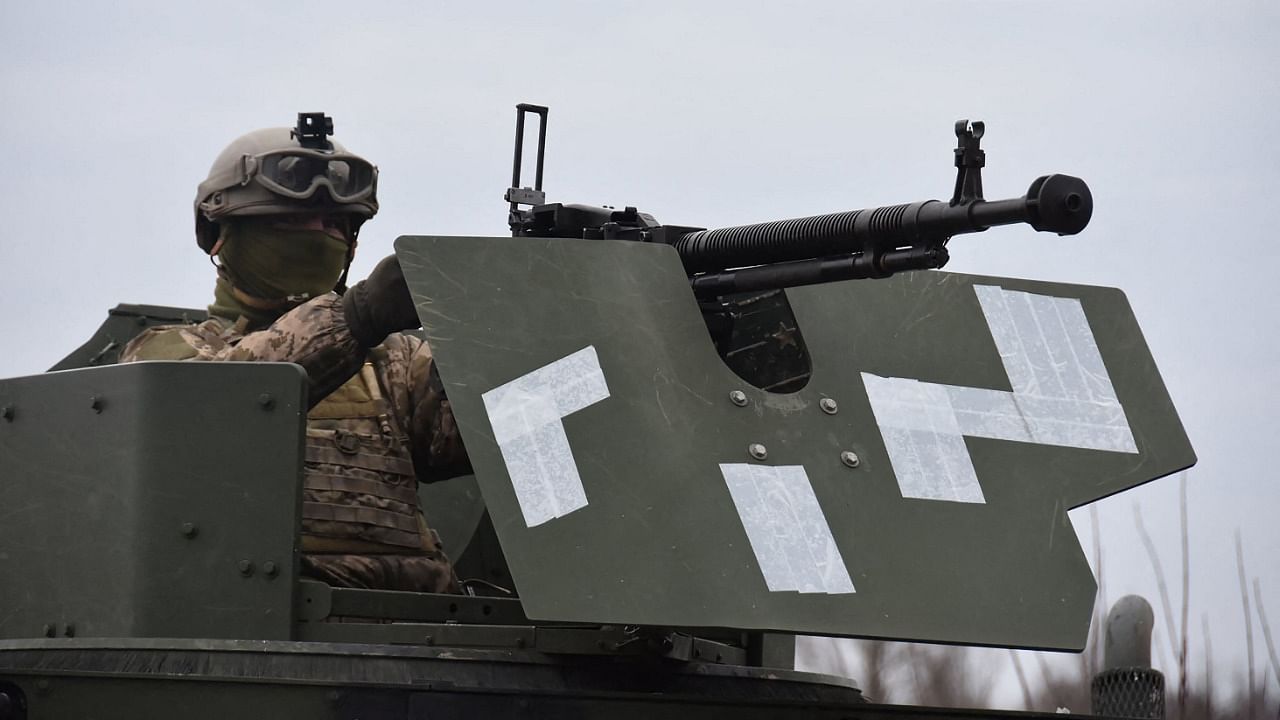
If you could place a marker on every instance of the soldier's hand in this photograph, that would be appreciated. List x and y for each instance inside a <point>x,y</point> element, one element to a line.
<point>380,304</point>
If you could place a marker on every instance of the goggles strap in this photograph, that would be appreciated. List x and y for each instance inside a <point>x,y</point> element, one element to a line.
<point>341,286</point>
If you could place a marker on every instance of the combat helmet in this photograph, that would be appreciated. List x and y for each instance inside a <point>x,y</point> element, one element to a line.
<point>286,170</point>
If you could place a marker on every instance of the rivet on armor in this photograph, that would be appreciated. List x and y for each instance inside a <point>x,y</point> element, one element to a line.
<point>757,451</point>
<point>850,458</point>
<point>828,406</point>
<point>189,530</point>
<point>7,412</point>
<point>50,630</point>
<point>246,567</point>
<point>737,397</point>
<point>69,630</point>
<point>95,402</point>
<point>266,402</point>
<point>270,569</point>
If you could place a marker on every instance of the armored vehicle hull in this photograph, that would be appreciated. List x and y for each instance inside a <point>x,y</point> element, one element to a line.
<point>194,679</point>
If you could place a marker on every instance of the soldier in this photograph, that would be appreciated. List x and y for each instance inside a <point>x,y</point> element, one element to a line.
<point>280,211</point>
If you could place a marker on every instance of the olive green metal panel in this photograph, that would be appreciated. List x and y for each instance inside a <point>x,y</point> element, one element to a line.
<point>618,474</point>
<point>195,679</point>
<point>453,509</point>
<point>150,500</point>
<point>123,322</point>
<point>176,697</point>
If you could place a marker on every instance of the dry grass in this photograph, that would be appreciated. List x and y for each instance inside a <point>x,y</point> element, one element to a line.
<point>907,673</point>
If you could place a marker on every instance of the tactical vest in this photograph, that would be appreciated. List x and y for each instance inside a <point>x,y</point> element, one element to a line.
<point>360,493</point>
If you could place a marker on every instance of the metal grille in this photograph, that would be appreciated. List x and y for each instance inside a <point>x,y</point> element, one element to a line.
<point>1129,693</point>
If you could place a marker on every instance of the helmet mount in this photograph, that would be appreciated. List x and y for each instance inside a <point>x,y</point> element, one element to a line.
<point>312,131</point>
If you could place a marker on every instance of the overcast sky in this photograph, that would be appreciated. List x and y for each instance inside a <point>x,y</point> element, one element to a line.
<point>706,114</point>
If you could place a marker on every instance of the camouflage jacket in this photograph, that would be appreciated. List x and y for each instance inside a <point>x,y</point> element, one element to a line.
<point>378,421</point>
<point>315,336</point>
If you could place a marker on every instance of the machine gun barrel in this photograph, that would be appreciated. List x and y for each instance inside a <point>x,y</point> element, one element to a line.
<point>874,242</point>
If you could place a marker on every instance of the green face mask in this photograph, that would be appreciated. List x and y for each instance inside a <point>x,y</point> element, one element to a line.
<point>274,262</point>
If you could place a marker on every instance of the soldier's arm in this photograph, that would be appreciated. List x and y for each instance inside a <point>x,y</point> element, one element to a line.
<point>435,442</point>
<point>314,335</point>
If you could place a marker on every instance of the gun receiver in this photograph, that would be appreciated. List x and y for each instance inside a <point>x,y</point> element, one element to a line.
<point>871,243</point>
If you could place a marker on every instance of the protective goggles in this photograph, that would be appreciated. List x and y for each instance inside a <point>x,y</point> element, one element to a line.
<point>298,174</point>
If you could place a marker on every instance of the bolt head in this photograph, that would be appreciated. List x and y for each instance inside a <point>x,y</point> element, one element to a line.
<point>7,412</point>
<point>739,398</point>
<point>189,530</point>
<point>95,402</point>
<point>270,569</point>
<point>828,406</point>
<point>246,567</point>
<point>850,458</point>
<point>266,402</point>
<point>757,451</point>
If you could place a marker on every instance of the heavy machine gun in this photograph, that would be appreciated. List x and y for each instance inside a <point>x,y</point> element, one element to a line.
<point>857,244</point>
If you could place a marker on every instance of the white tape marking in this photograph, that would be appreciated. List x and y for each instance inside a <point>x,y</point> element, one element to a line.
<point>1062,395</point>
<point>786,528</point>
<point>526,416</point>
<point>923,436</point>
